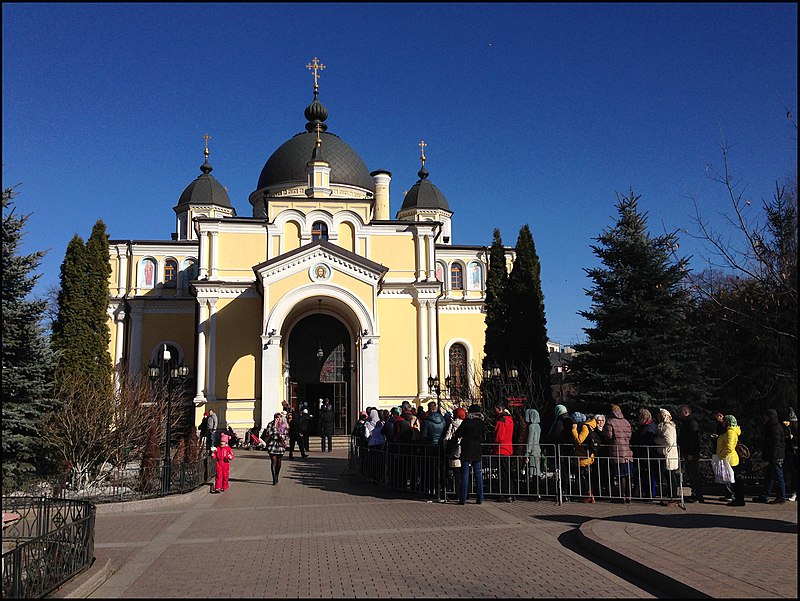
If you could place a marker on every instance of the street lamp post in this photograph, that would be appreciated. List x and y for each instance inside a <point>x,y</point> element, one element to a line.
<point>176,375</point>
<point>435,385</point>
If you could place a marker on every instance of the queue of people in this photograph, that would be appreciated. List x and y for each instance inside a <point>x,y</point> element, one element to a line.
<point>600,455</point>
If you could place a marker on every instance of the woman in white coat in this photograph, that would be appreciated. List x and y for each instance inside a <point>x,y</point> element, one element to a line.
<point>667,441</point>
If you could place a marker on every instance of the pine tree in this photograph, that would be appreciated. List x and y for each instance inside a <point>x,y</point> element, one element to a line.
<point>527,325</point>
<point>27,359</point>
<point>495,347</point>
<point>639,351</point>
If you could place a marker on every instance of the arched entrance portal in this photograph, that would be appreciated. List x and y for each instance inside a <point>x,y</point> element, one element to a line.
<point>320,366</point>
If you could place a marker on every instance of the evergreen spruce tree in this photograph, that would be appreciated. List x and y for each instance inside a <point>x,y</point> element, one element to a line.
<point>27,359</point>
<point>496,346</point>
<point>639,351</point>
<point>527,325</point>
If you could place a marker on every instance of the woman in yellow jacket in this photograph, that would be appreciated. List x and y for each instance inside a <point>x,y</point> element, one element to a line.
<point>726,449</point>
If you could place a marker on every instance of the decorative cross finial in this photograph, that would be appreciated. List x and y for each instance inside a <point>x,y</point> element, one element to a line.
<point>206,138</point>
<point>422,146</point>
<point>315,66</point>
<point>318,141</point>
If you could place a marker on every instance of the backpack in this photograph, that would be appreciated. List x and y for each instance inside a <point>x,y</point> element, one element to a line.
<point>592,441</point>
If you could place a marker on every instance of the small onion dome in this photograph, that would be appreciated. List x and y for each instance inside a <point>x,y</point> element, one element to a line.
<point>316,113</point>
<point>205,190</point>
<point>424,195</point>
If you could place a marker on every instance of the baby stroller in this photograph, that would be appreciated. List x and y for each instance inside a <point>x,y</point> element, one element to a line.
<point>235,441</point>
<point>254,442</point>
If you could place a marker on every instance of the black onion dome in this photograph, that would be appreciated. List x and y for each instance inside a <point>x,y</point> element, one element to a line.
<point>316,113</point>
<point>289,162</point>
<point>424,195</point>
<point>205,190</point>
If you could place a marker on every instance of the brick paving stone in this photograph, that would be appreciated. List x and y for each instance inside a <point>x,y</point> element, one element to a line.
<point>321,533</point>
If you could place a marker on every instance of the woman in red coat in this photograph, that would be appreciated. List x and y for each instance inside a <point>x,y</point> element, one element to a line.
<point>224,455</point>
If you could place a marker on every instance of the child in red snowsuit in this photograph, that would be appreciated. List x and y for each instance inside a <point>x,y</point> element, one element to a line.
<point>224,455</point>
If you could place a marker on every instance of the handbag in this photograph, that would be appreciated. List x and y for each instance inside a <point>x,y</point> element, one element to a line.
<point>742,451</point>
<point>723,472</point>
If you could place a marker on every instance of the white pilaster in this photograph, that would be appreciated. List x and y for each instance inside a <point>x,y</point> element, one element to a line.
<point>422,345</point>
<point>433,353</point>
<point>431,258</point>
<point>211,391</point>
<point>202,258</point>
<point>368,374</point>
<point>214,259</point>
<point>202,324</point>
<point>419,242</point>
<point>135,357</point>
<point>271,377</point>
<point>122,266</point>
<point>118,349</point>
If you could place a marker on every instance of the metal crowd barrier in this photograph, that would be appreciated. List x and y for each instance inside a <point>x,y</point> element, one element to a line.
<point>551,471</point>
<point>50,542</point>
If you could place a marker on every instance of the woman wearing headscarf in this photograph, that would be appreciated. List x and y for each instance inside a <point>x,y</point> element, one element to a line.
<point>555,433</point>
<point>667,441</point>
<point>372,429</point>
<point>275,433</point>
<point>726,449</point>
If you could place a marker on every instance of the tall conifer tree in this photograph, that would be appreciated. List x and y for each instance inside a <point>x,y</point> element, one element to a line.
<point>496,346</point>
<point>639,350</point>
<point>80,332</point>
<point>527,325</point>
<point>27,359</point>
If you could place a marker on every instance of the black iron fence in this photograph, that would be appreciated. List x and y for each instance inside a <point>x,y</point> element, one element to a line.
<point>46,542</point>
<point>126,483</point>
<point>559,472</point>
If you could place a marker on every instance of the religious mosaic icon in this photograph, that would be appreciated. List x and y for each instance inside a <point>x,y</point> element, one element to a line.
<point>320,272</point>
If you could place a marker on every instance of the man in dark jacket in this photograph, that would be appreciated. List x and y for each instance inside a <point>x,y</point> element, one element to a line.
<point>326,419</point>
<point>470,432</point>
<point>689,445</point>
<point>773,451</point>
<point>643,443</point>
<point>296,432</point>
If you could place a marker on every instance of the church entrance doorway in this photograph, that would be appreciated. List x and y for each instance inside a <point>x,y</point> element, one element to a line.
<point>320,362</point>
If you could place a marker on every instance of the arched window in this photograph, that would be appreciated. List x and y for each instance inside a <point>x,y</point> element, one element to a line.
<point>456,277</point>
<point>458,372</point>
<point>319,231</point>
<point>170,273</point>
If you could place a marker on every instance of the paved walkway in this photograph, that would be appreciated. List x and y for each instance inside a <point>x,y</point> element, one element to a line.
<point>323,533</point>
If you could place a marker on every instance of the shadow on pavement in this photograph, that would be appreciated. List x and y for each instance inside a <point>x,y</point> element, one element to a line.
<point>735,522</point>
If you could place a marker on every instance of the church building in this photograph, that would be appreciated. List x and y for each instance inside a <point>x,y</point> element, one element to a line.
<point>316,293</point>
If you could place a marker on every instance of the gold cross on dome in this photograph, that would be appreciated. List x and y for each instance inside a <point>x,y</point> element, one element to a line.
<point>206,138</point>
<point>315,66</point>
<point>422,146</point>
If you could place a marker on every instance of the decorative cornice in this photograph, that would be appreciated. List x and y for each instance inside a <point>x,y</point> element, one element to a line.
<point>207,290</point>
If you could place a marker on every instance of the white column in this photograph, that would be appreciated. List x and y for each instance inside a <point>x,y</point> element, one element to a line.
<point>211,391</point>
<point>135,357</point>
<point>214,259</point>
<point>202,324</point>
<point>118,349</point>
<point>422,345</point>
<point>433,354</point>
<point>202,259</point>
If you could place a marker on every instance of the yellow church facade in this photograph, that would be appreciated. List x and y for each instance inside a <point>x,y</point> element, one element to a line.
<point>318,293</point>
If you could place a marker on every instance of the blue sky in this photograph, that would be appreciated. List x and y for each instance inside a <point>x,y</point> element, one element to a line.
<point>533,113</point>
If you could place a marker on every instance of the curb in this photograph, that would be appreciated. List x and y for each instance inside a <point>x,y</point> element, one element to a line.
<point>592,542</point>
<point>86,588</point>
<point>178,499</point>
